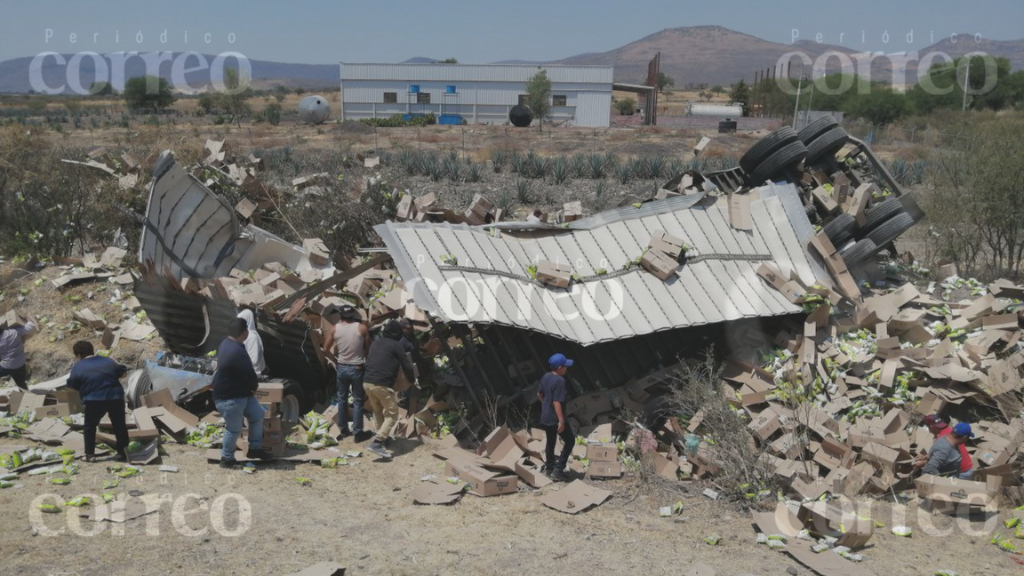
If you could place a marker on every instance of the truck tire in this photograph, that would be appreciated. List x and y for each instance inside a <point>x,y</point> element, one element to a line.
<point>808,133</point>
<point>294,404</point>
<point>827,144</point>
<point>765,147</point>
<point>890,229</point>
<point>840,229</point>
<point>859,252</point>
<point>881,212</point>
<point>783,158</point>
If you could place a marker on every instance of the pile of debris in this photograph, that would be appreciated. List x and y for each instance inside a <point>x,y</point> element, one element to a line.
<point>116,290</point>
<point>424,209</point>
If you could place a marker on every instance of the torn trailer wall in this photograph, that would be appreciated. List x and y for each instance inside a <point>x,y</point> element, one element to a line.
<point>471,275</point>
<point>194,233</point>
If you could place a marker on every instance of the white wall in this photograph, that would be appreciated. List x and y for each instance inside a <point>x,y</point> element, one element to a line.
<point>478,102</point>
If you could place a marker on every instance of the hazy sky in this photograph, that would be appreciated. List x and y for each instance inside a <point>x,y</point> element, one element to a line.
<point>327,32</point>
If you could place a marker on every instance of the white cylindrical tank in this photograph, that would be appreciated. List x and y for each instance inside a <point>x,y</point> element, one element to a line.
<point>718,110</point>
<point>314,110</point>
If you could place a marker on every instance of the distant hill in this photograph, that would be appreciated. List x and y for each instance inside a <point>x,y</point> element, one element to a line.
<point>696,54</point>
<point>14,74</point>
<point>717,55</point>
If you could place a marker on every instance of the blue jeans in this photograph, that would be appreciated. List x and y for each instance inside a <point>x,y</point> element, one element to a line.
<point>969,475</point>
<point>350,380</point>
<point>233,410</point>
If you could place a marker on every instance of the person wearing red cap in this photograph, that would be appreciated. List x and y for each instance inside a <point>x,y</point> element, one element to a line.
<point>939,429</point>
<point>551,393</point>
<point>944,458</point>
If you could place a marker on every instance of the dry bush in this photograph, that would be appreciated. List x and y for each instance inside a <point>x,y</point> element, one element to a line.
<point>744,467</point>
<point>51,208</point>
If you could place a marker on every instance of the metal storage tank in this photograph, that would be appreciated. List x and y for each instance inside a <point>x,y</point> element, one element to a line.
<point>314,109</point>
<point>717,110</point>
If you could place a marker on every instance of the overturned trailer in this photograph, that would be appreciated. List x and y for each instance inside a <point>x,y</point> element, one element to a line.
<point>618,319</point>
<point>191,235</point>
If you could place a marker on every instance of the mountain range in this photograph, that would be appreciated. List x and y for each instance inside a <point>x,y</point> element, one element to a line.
<point>691,55</point>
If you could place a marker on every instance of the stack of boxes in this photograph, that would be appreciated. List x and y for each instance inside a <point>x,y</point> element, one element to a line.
<point>604,460</point>
<point>662,255</point>
<point>270,395</point>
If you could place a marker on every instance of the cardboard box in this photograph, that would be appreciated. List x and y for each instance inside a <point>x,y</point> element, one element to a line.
<point>659,264</point>
<point>71,398</point>
<point>575,497</point>
<point>602,452</point>
<point>270,392</point>
<point>554,274</point>
<point>572,211</point>
<point>317,251</point>
<point>739,212</point>
<point>861,195</point>
<point>664,242</point>
<point>273,424</point>
<point>955,492</point>
<point>824,518</point>
<point>604,470</point>
<point>482,482</point>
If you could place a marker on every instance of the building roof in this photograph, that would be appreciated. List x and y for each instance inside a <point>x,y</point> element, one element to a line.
<point>489,284</point>
<point>474,72</point>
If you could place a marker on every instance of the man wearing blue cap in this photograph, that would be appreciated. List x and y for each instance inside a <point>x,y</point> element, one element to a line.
<point>551,393</point>
<point>944,457</point>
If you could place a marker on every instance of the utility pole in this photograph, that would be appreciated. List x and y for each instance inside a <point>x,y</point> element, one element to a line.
<point>967,81</point>
<point>796,107</point>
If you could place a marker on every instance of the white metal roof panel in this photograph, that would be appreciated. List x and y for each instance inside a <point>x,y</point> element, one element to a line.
<point>491,285</point>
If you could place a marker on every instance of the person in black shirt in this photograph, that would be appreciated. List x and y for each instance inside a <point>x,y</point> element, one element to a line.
<point>97,381</point>
<point>386,357</point>
<point>551,393</point>
<point>233,386</point>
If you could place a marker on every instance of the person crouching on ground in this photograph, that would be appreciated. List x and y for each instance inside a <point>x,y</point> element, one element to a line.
<point>386,357</point>
<point>944,457</point>
<point>939,429</point>
<point>234,385</point>
<point>551,393</point>
<point>97,381</point>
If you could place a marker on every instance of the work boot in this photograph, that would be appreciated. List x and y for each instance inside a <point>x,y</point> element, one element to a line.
<point>362,436</point>
<point>121,457</point>
<point>228,462</point>
<point>258,454</point>
<point>379,450</point>
<point>559,476</point>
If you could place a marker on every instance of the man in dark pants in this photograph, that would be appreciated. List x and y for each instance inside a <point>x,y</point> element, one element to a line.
<point>551,393</point>
<point>233,386</point>
<point>97,381</point>
<point>12,351</point>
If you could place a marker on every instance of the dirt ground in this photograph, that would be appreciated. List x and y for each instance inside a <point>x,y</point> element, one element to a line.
<point>362,517</point>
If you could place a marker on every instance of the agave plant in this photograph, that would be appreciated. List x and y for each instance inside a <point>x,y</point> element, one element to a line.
<point>560,170</point>
<point>579,166</point>
<point>524,191</point>
<point>498,159</point>
<point>623,172</point>
<point>597,166</point>
<point>476,172</point>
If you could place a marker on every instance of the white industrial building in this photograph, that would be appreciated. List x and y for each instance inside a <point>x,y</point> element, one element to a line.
<point>480,94</point>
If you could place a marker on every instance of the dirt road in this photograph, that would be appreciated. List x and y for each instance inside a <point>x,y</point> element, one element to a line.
<point>361,516</point>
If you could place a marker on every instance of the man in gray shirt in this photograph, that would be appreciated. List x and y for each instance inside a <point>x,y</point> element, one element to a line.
<point>12,351</point>
<point>944,457</point>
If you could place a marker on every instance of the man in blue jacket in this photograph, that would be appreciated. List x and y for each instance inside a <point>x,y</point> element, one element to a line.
<point>233,386</point>
<point>97,381</point>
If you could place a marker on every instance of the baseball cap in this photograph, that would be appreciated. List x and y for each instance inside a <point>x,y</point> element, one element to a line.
<point>963,429</point>
<point>934,421</point>
<point>559,360</point>
<point>348,312</point>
